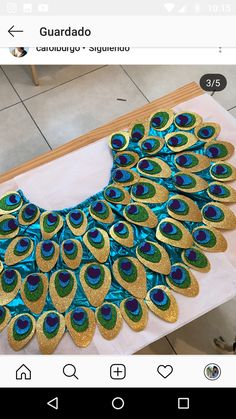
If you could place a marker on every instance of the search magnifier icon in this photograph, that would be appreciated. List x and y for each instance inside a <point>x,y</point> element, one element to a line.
<point>69,370</point>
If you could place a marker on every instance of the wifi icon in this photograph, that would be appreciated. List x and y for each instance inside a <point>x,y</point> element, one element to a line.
<point>169,6</point>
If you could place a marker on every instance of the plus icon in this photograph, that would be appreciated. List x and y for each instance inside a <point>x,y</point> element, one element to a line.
<point>117,371</point>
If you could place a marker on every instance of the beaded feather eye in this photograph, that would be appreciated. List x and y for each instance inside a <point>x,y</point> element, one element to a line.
<point>9,227</point>
<point>153,256</point>
<point>131,275</point>
<point>116,194</point>
<point>178,141</point>
<point>50,329</point>
<point>126,159</point>
<point>196,259</point>
<point>81,325</point>
<point>109,320</point>
<point>183,209</point>
<point>207,131</point>
<point>77,222</point>
<point>122,233</point>
<point>172,232</point>
<point>151,145</point>
<point>149,192</point>
<point>95,279</point>
<point>161,120</point>
<point>181,280</point>
<point>50,224</point>
<point>28,214</point>
<point>135,313</point>
<point>119,141</point>
<point>191,162</point>
<point>10,202</point>
<point>224,172</point>
<point>219,150</point>
<point>140,214</point>
<point>218,215</point>
<point>18,250</point>
<point>154,168</point>
<point>209,239</point>
<point>162,303</point>
<point>187,120</point>
<point>189,182</point>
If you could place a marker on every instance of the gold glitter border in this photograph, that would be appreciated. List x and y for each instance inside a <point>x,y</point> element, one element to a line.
<point>14,233</point>
<point>206,124</point>
<point>132,153</point>
<point>126,199</point>
<point>110,217</point>
<point>168,124</point>
<point>195,268</point>
<point>231,198</point>
<point>228,179</point>
<point>6,320</point>
<point>3,212</point>
<point>80,230</point>
<point>229,147</point>
<point>152,153</point>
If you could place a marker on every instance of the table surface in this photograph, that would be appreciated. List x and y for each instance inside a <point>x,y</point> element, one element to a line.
<point>67,178</point>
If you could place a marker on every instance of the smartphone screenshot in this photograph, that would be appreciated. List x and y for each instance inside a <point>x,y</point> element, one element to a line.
<point>117,207</point>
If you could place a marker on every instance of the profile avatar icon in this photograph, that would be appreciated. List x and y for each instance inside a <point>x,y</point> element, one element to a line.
<point>19,52</point>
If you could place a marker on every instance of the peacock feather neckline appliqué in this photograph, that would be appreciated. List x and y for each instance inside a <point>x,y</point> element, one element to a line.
<point>126,250</point>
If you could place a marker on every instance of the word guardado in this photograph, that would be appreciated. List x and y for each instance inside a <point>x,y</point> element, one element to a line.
<point>82,31</point>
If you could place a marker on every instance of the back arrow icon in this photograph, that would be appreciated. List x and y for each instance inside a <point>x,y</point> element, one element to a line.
<point>12,30</point>
<point>53,403</point>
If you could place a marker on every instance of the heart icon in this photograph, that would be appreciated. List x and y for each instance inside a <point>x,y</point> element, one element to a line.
<point>165,370</point>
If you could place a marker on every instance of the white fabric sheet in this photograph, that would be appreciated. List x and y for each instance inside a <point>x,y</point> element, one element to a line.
<point>78,175</point>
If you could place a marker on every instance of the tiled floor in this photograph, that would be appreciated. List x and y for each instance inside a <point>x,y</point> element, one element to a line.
<point>72,100</point>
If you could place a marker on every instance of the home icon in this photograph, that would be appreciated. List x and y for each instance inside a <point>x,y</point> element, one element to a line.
<point>23,373</point>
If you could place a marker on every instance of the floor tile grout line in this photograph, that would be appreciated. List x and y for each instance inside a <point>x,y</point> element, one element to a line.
<point>172,347</point>
<point>230,109</point>
<point>135,84</point>
<point>10,106</point>
<point>21,101</point>
<point>58,85</point>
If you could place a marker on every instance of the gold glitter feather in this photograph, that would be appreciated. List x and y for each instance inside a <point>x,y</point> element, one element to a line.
<point>138,287</point>
<point>47,346</point>
<point>17,345</point>
<point>137,326</point>
<point>95,295</point>
<point>192,290</point>
<point>169,315</point>
<point>7,297</point>
<point>35,306</point>
<point>82,339</point>
<point>62,303</point>
<point>46,265</point>
<point>110,334</point>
